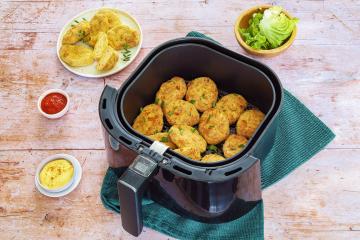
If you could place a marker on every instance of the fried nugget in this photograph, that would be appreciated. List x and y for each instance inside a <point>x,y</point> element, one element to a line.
<point>112,16</point>
<point>164,138</point>
<point>76,33</point>
<point>150,120</point>
<point>190,152</point>
<point>76,55</point>
<point>202,92</point>
<point>232,105</point>
<point>98,23</point>
<point>173,89</point>
<point>108,60</point>
<point>121,36</point>
<point>212,158</point>
<point>248,122</point>
<point>214,126</point>
<point>181,112</point>
<point>101,45</point>
<point>233,145</point>
<point>186,136</point>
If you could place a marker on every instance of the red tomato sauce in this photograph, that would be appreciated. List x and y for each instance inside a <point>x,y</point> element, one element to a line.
<point>53,103</point>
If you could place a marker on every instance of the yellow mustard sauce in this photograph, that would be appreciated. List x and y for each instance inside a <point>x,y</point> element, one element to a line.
<point>56,174</point>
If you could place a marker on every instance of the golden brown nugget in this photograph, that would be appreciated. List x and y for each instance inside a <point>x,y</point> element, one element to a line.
<point>181,112</point>
<point>108,60</point>
<point>164,138</point>
<point>232,105</point>
<point>190,152</point>
<point>214,126</point>
<point>212,158</point>
<point>150,120</point>
<point>98,23</point>
<point>112,17</point>
<point>202,92</point>
<point>101,45</point>
<point>186,136</point>
<point>233,145</point>
<point>121,36</point>
<point>76,33</point>
<point>248,122</point>
<point>76,55</point>
<point>173,89</point>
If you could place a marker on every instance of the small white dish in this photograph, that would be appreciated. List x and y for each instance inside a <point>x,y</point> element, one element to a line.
<point>56,115</point>
<point>90,70</point>
<point>74,182</point>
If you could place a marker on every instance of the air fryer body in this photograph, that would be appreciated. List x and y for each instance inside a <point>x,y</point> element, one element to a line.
<point>212,193</point>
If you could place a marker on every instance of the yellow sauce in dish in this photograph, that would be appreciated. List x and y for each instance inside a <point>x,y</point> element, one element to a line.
<point>56,174</point>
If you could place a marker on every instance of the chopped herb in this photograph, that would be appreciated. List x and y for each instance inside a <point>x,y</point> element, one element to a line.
<point>211,126</point>
<point>84,19</point>
<point>181,131</point>
<point>241,145</point>
<point>212,148</point>
<point>203,96</point>
<point>141,109</point>
<point>157,100</point>
<point>164,139</point>
<point>170,131</point>
<point>162,104</point>
<point>193,130</point>
<point>192,101</point>
<point>170,113</point>
<point>76,21</point>
<point>126,52</point>
<point>72,25</point>
<point>213,104</point>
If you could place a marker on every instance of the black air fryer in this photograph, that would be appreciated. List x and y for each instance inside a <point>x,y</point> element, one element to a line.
<point>207,192</point>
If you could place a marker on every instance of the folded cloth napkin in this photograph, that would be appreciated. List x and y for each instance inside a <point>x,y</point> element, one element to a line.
<point>299,137</point>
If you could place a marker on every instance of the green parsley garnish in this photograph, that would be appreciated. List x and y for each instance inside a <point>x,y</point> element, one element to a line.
<point>126,52</point>
<point>213,104</point>
<point>76,21</point>
<point>211,126</point>
<point>157,100</point>
<point>141,109</point>
<point>212,148</point>
<point>170,113</point>
<point>164,139</point>
<point>192,101</point>
<point>193,130</point>
<point>241,145</point>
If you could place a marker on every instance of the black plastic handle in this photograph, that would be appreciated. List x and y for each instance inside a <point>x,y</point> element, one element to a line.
<point>131,187</point>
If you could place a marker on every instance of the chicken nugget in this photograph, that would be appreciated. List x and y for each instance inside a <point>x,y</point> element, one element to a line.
<point>212,158</point>
<point>164,138</point>
<point>202,92</point>
<point>150,120</point>
<point>181,112</point>
<point>76,55</point>
<point>121,36</point>
<point>248,122</point>
<point>173,89</point>
<point>186,136</point>
<point>233,145</point>
<point>76,33</point>
<point>232,105</point>
<point>112,16</point>
<point>190,152</point>
<point>214,126</point>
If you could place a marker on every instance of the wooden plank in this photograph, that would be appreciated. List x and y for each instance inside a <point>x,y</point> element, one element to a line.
<point>309,203</point>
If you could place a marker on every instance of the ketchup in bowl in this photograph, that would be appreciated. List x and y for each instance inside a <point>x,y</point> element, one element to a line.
<point>53,103</point>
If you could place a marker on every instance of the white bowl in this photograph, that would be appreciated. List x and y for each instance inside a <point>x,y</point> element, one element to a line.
<point>71,185</point>
<point>56,115</point>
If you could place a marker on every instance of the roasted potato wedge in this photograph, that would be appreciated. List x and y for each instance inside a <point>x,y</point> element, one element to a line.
<point>108,60</point>
<point>101,45</point>
<point>76,55</point>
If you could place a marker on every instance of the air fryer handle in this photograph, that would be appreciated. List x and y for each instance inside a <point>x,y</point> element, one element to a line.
<point>131,187</point>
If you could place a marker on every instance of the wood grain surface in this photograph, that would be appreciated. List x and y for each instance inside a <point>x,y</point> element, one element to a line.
<point>320,200</point>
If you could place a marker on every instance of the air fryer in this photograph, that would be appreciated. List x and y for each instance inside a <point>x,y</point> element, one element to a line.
<point>206,192</point>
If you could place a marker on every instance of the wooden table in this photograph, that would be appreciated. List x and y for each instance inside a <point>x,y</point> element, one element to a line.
<point>320,200</point>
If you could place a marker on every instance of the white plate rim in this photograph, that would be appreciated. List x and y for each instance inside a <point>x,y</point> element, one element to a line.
<point>108,73</point>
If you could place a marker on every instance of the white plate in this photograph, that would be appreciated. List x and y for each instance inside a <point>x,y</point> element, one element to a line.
<point>90,70</point>
<point>75,183</point>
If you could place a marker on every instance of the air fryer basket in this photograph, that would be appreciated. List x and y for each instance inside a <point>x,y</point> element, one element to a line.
<point>189,58</point>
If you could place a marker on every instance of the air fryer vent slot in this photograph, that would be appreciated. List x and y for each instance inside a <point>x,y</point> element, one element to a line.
<point>126,141</point>
<point>180,169</point>
<point>108,123</point>
<point>233,171</point>
<point>104,104</point>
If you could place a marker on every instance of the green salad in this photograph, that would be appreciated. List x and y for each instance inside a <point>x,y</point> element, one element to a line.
<point>268,30</point>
